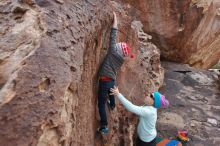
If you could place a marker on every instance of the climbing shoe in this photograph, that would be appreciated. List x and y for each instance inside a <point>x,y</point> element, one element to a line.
<point>103,130</point>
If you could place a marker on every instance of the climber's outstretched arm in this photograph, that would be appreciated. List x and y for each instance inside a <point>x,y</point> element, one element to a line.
<point>115,23</point>
<point>138,110</point>
<point>113,35</point>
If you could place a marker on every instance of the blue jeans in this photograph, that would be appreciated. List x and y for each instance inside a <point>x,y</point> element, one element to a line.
<point>103,93</point>
<point>139,142</point>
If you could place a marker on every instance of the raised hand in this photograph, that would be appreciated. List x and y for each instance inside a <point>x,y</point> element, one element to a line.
<point>114,91</point>
<point>115,23</point>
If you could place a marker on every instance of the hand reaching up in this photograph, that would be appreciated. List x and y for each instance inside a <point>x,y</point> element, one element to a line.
<point>115,23</point>
<point>114,91</point>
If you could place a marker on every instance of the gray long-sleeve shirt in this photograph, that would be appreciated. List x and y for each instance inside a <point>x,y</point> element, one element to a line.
<point>113,60</point>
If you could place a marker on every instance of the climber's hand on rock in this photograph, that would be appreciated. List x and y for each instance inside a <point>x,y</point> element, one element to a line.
<point>115,16</point>
<point>114,91</point>
<point>115,23</point>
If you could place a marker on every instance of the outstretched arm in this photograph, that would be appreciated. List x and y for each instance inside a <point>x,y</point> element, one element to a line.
<point>113,35</point>
<point>138,110</point>
<point>115,23</point>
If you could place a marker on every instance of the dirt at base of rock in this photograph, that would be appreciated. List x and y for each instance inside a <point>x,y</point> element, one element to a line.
<point>194,104</point>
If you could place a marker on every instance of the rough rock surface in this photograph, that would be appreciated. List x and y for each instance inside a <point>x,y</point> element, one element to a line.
<point>194,104</point>
<point>49,57</point>
<point>50,51</point>
<point>185,31</point>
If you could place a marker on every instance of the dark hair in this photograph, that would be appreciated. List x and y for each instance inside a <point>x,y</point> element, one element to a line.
<point>151,96</point>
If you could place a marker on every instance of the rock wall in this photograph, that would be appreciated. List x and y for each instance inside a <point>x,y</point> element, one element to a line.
<point>50,51</point>
<point>185,31</point>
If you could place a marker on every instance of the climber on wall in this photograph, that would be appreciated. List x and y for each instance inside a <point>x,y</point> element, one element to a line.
<point>147,113</point>
<point>116,55</point>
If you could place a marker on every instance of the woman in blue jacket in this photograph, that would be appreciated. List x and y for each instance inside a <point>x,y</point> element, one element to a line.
<point>147,113</point>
